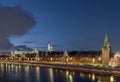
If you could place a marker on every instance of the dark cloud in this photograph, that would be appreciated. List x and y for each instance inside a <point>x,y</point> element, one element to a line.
<point>13,21</point>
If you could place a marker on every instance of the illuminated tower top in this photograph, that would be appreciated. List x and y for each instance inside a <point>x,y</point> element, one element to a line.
<point>50,47</point>
<point>65,54</point>
<point>106,40</point>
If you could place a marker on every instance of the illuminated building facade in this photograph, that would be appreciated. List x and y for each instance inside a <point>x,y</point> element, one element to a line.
<point>50,48</point>
<point>115,60</point>
<point>105,52</point>
<point>23,52</point>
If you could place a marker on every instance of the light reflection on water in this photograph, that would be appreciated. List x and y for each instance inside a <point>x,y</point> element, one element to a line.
<point>37,73</point>
<point>51,75</point>
<point>69,76</point>
<point>26,73</point>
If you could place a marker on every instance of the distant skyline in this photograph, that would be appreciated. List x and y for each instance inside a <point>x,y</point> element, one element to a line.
<point>67,24</point>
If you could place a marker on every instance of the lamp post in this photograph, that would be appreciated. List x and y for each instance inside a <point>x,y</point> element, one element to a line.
<point>38,59</point>
<point>51,59</point>
<point>93,60</point>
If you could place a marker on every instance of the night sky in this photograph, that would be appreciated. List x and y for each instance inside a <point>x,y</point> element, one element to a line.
<point>67,24</point>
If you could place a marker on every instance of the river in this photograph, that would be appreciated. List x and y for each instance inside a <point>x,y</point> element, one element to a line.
<point>28,73</point>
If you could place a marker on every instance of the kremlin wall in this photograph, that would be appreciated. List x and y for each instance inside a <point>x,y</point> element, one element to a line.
<point>82,58</point>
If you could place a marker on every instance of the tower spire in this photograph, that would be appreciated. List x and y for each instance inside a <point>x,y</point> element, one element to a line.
<point>106,40</point>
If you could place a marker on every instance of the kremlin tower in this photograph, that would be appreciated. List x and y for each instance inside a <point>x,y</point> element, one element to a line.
<point>105,52</point>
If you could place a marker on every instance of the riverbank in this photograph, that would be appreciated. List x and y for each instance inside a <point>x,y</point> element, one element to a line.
<point>71,67</point>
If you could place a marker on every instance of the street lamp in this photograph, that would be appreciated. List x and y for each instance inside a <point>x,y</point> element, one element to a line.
<point>99,58</point>
<point>51,59</point>
<point>93,60</point>
<point>38,59</point>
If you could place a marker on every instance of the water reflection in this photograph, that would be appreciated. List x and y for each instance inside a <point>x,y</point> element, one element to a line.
<point>37,74</point>
<point>93,77</point>
<point>26,73</point>
<point>82,75</point>
<point>98,78</point>
<point>2,69</point>
<point>112,79</point>
<point>51,75</point>
<point>69,76</point>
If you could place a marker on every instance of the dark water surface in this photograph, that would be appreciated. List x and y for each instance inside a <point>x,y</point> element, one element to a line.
<point>20,73</point>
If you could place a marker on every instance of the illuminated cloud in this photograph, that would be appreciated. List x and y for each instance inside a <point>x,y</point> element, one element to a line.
<point>13,21</point>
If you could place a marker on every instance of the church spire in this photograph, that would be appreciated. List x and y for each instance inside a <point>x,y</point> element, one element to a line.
<point>106,40</point>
